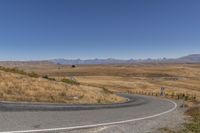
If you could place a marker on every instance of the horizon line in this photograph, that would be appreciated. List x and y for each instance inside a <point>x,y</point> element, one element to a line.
<point>160,58</point>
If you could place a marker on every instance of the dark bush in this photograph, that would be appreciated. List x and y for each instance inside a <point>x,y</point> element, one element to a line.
<point>47,77</point>
<point>69,81</point>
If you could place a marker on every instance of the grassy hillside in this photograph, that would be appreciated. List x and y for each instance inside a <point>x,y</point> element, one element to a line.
<point>18,87</point>
<point>176,78</point>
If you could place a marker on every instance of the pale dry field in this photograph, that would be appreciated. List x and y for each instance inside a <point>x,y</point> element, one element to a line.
<point>176,78</point>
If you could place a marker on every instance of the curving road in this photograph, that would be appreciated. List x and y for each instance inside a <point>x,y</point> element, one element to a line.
<point>25,118</point>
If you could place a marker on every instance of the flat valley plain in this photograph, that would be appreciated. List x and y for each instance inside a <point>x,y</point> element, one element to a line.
<point>131,78</point>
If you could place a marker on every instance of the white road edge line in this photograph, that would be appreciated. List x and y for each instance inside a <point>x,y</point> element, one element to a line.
<point>96,125</point>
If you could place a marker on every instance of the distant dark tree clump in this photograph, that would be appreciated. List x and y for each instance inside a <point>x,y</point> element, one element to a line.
<point>73,66</point>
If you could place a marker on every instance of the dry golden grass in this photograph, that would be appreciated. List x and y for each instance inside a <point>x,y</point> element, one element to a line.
<point>16,87</point>
<point>176,78</point>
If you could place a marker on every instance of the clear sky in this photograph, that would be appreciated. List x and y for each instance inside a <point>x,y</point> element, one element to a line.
<point>46,29</point>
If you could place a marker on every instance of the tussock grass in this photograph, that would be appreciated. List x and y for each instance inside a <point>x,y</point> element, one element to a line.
<point>194,125</point>
<point>18,87</point>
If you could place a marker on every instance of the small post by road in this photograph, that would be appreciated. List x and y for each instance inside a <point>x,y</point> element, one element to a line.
<point>162,91</point>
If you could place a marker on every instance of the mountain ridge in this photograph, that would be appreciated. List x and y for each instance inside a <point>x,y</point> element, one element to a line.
<point>193,58</point>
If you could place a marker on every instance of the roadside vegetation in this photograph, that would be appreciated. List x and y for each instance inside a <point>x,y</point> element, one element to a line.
<point>193,124</point>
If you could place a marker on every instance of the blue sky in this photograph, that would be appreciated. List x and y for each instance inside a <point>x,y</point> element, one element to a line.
<point>46,29</point>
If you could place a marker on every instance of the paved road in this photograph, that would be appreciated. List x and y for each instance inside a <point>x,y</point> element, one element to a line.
<point>32,118</point>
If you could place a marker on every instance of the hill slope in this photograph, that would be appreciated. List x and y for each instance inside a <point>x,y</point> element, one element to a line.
<point>16,87</point>
<point>191,58</point>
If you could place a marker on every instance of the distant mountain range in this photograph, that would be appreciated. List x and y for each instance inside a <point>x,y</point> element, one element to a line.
<point>194,58</point>
<point>190,58</point>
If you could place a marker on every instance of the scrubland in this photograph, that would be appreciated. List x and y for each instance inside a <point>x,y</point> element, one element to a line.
<point>132,78</point>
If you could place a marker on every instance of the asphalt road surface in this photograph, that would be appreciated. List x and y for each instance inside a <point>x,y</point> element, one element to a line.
<point>26,118</point>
